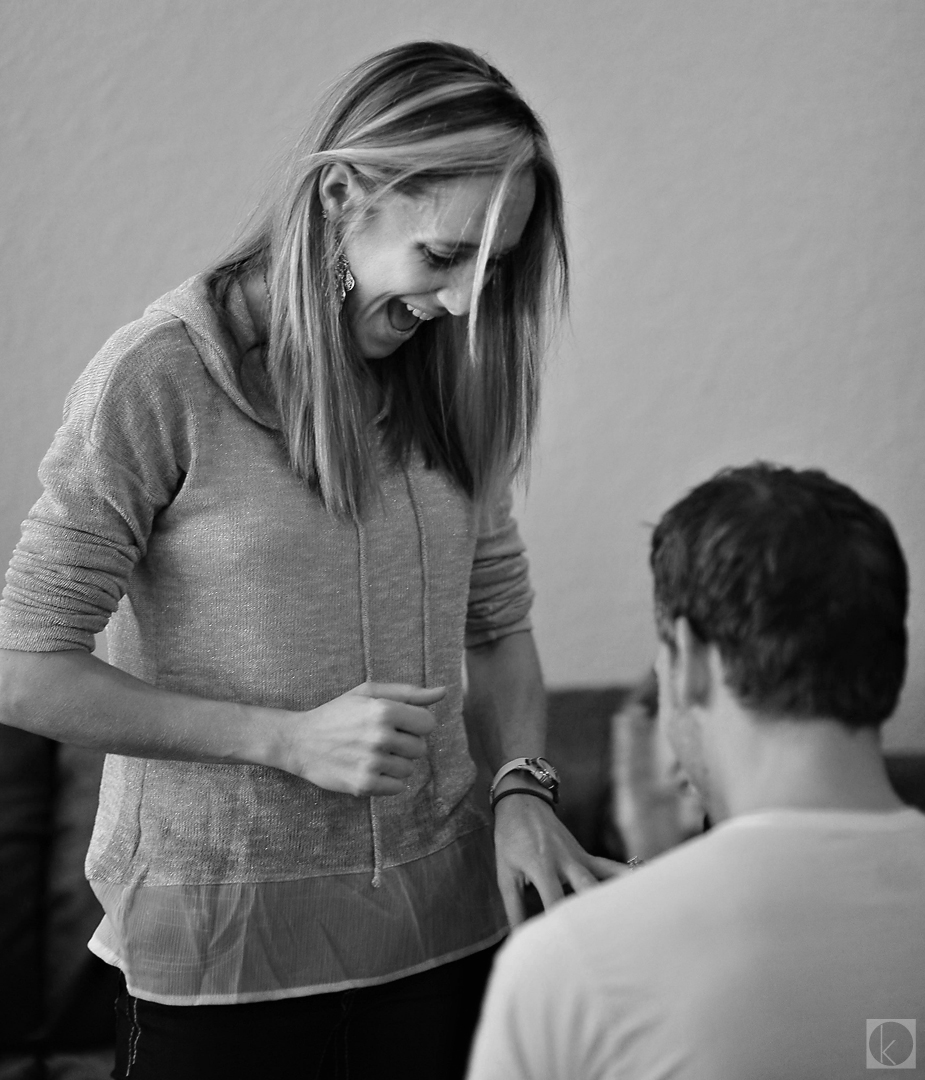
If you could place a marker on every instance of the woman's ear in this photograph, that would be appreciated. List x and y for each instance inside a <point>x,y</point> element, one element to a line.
<point>338,190</point>
<point>695,669</point>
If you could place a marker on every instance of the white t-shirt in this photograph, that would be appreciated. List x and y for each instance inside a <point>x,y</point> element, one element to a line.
<point>764,949</point>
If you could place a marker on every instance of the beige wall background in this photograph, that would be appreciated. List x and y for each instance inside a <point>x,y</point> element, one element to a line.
<point>745,192</point>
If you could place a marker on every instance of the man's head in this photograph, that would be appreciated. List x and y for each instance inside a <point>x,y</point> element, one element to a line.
<point>784,593</point>
<point>799,582</point>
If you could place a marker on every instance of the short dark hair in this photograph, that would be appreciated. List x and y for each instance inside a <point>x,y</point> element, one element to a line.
<point>799,582</point>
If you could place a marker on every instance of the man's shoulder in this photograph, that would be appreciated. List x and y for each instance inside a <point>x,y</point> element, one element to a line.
<point>711,876</point>
<point>751,925</point>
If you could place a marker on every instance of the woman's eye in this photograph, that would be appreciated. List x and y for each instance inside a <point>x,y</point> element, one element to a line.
<point>447,262</point>
<point>441,262</point>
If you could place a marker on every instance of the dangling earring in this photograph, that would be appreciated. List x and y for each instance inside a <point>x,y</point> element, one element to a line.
<point>344,278</point>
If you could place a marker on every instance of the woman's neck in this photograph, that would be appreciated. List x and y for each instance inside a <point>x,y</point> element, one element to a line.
<point>256,296</point>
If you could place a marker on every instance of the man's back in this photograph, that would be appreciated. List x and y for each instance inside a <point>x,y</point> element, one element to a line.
<point>760,950</point>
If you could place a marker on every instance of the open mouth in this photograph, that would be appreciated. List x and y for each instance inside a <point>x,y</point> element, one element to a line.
<point>403,318</point>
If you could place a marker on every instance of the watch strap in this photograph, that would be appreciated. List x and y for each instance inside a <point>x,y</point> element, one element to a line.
<point>508,767</point>
<point>529,766</point>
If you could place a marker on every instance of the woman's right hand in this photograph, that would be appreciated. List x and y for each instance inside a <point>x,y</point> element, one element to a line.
<point>364,742</point>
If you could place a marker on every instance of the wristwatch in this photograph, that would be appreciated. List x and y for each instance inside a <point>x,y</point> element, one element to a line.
<point>537,767</point>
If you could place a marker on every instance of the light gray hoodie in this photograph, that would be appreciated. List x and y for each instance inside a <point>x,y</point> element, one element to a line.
<point>169,506</point>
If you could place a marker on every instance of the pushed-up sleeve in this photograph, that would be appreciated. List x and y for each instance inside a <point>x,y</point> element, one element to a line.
<point>500,595</point>
<point>116,460</point>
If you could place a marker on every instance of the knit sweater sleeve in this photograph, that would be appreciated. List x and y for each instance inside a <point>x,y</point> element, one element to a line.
<point>500,595</point>
<point>119,456</point>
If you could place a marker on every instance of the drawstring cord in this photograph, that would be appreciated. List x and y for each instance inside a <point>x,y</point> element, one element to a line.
<point>368,675</point>
<point>425,596</point>
<point>366,636</point>
<point>425,576</point>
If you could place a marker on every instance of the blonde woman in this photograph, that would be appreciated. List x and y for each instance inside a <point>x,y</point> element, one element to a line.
<point>285,485</point>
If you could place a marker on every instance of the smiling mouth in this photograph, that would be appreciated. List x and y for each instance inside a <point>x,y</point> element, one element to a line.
<point>403,318</point>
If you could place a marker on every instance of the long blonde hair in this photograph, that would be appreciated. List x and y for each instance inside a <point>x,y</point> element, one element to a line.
<point>463,391</point>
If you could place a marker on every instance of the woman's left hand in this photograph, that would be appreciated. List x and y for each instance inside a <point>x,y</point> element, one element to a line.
<point>533,846</point>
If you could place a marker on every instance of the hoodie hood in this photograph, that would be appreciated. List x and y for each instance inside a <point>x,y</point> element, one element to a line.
<point>227,342</point>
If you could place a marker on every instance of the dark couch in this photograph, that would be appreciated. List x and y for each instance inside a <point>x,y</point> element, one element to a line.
<point>580,726</point>
<point>55,996</point>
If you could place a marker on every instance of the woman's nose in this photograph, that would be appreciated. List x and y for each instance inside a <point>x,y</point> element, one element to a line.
<point>456,294</point>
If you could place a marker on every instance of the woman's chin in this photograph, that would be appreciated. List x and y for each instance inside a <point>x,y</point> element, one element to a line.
<point>377,346</point>
<point>379,352</point>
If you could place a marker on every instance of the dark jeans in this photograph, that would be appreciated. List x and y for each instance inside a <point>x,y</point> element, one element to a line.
<point>416,1028</point>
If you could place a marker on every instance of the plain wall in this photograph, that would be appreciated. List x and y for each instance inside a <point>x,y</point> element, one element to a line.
<point>744,185</point>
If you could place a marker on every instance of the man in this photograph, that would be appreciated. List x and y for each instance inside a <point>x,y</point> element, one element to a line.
<point>789,940</point>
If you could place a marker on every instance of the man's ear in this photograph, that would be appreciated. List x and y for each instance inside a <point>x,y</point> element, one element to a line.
<point>696,670</point>
<point>339,189</point>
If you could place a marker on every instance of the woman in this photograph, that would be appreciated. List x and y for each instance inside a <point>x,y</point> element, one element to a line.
<point>286,483</point>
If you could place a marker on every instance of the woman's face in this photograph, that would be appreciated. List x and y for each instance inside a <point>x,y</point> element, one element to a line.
<point>414,258</point>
